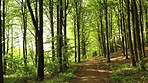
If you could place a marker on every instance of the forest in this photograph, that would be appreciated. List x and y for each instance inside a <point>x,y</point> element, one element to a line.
<point>73,41</point>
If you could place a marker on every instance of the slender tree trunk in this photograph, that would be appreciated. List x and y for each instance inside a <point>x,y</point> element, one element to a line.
<point>141,26</point>
<point>1,64</point>
<point>78,27</point>
<point>134,37</point>
<point>107,38</point>
<point>40,42</point>
<point>36,32</point>
<point>102,35</point>
<point>4,50</point>
<point>146,22</point>
<point>25,31</point>
<point>111,30</point>
<point>11,44</point>
<point>59,33</point>
<point>65,56</point>
<point>133,63</point>
<point>136,26</point>
<point>75,39</point>
<point>121,25</point>
<point>52,28</point>
<point>39,36</point>
<point>125,37</point>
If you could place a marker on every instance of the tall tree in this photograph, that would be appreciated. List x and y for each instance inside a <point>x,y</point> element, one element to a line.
<point>1,63</point>
<point>59,32</point>
<point>24,18</point>
<point>78,12</point>
<point>39,37</point>
<point>107,37</point>
<point>121,25</point>
<point>75,38</point>
<point>137,29</point>
<point>133,63</point>
<point>52,28</point>
<point>65,56</point>
<point>4,46</point>
<point>141,27</point>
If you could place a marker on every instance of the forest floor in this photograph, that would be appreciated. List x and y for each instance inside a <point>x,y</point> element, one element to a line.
<point>97,70</point>
<point>92,71</point>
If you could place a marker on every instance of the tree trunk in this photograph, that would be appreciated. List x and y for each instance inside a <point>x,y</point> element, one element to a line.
<point>4,50</point>
<point>125,37</point>
<point>136,26</point>
<point>141,26</point>
<point>146,21</point>
<point>36,32</point>
<point>24,12</point>
<point>59,33</point>
<point>1,63</point>
<point>133,63</point>
<point>134,38</point>
<point>78,27</point>
<point>102,35</point>
<point>40,42</point>
<point>75,39</point>
<point>38,36</point>
<point>65,56</point>
<point>107,39</point>
<point>52,28</point>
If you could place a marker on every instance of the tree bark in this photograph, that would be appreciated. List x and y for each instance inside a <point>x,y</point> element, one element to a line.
<point>136,26</point>
<point>40,41</point>
<point>141,26</point>
<point>133,63</point>
<point>24,12</point>
<point>107,38</point>
<point>52,28</point>
<point>1,63</point>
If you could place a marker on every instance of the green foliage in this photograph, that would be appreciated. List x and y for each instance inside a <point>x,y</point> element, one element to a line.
<point>124,73</point>
<point>63,77</point>
<point>52,68</point>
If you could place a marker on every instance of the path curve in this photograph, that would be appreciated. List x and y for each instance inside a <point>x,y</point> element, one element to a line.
<point>92,71</point>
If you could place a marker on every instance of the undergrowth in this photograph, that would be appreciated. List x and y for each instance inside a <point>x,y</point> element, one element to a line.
<point>63,77</point>
<point>124,73</point>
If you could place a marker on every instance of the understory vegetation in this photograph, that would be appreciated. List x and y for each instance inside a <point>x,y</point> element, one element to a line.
<point>125,73</point>
<point>46,40</point>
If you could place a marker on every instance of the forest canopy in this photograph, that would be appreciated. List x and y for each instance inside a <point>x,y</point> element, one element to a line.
<point>44,37</point>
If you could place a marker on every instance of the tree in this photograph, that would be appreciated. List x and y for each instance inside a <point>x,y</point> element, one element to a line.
<point>141,26</point>
<point>65,56</point>
<point>4,50</point>
<point>136,26</point>
<point>39,37</point>
<point>24,18</point>
<point>107,38</point>
<point>1,63</point>
<point>59,32</point>
<point>78,14</point>
<point>133,63</point>
<point>52,28</point>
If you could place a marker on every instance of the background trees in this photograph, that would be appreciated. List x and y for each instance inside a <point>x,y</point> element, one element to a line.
<point>82,27</point>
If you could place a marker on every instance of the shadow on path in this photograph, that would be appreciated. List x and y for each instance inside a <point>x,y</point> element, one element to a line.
<point>92,71</point>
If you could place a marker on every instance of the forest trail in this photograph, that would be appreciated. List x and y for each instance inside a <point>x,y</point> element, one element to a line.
<point>97,70</point>
<point>92,71</point>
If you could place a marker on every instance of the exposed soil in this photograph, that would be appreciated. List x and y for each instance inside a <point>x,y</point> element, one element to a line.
<point>92,71</point>
<point>96,71</point>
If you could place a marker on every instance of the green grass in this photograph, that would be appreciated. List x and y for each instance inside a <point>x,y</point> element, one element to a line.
<point>124,73</point>
<point>63,77</point>
<point>19,77</point>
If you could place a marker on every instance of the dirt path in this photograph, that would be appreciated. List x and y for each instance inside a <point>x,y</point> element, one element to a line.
<point>92,71</point>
